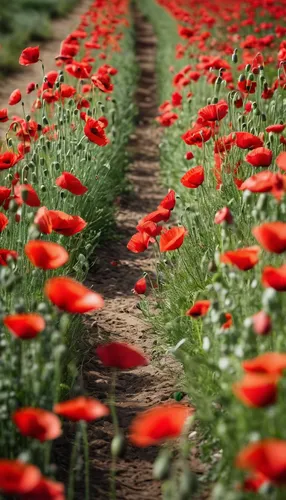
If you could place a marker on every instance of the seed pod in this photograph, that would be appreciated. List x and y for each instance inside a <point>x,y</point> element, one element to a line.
<point>234,56</point>
<point>118,445</point>
<point>45,120</point>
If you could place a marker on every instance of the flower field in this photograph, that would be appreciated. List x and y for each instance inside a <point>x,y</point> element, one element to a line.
<point>202,244</point>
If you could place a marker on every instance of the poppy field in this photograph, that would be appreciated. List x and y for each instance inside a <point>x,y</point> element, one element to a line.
<point>214,301</point>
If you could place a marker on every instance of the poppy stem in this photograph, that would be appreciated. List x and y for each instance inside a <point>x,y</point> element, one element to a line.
<point>116,429</point>
<point>86,457</point>
<point>72,465</point>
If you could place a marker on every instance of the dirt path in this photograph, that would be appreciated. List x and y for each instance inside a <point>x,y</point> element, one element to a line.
<point>120,319</point>
<point>19,80</point>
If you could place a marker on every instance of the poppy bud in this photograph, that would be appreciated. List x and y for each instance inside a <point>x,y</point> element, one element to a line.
<point>20,307</point>
<point>42,162</point>
<point>63,194</point>
<point>56,165</point>
<point>34,177</point>
<point>10,143</point>
<point>45,120</point>
<point>31,165</point>
<point>234,56</point>
<point>263,117</point>
<point>215,100</point>
<point>43,188</point>
<point>45,172</point>
<point>250,77</point>
<point>162,465</point>
<point>28,118</point>
<point>61,78</point>
<point>75,112</point>
<point>257,112</point>
<point>118,445</point>
<point>247,67</point>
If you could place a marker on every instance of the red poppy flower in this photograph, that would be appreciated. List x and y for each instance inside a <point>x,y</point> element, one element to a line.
<point>259,157</point>
<point>37,423</point>
<point>102,82</point>
<point>25,326</point>
<point>27,195</point>
<point>8,160</point>
<point>95,132</point>
<point>30,55</point>
<point>150,228</point>
<point>43,221</point>
<point>138,242</point>
<point>121,356</point>
<point>228,321</point>
<point>71,296</point>
<point>261,323</point>
<point>159,215</point>
<point>223,215</point>
<point>262,182</point>
<point>271,236</point>
<point>169,201</point>
<point>269,362</point>
<point>66,91</point>
<point>245,140</point>
<point>5,255</point>
<point>214,112</point>
<point>159,424</point>
<point>4,115</point>
<point>3,221</point>
<point>167,119</point>
<point>256,389</point>
<point>199,308</point>
<point>267,457</point>
<point>46,490</point>
<point>243,258</point>
<point>15,97</point>
<point>276,129</point>
<point>71,183</point>
<point>81,408</point>
<point>140,286</point>
<point>275,277</point>
<point>17,478</point>
<point>30,87</point>
<point>197,136</point>
<point>172,239</point>
<point>281,160</point>
<point>46,254</point>
<point>66,224</point>
<point>194,177</point>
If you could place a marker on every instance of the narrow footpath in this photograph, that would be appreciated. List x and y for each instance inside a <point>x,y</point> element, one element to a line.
<point>120,319</point>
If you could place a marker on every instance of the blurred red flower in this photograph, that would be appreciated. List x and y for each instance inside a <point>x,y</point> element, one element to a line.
<point>194,177</point>
<point>267,457</point>
<point>71,183</point>
<point>30,55</point>
<point>275,277</point>
<point>256,389</point>
<point>71,296</point>
<point>242,258</point>
<point>17,478</point>
<point>199,308</point>
<point>271,236</point>
<point>245,140</point>
<point>37,423</point>
<point>159,424</point>
<point>81,408</point>
<point>46,254</point>
<point>269,362</point>
<point>46,490</point>
<point>140,286</point>
<point>172,239</point>
<point>121,356</point>
<point>25,325</point>
<point>15,97</point>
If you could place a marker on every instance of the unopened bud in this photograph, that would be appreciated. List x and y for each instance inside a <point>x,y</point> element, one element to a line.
<point>118,445</point>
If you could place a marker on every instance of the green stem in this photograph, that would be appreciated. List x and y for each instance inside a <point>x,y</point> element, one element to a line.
<point>86,457</point>
<point>116,429</point>
<point>72,465</point>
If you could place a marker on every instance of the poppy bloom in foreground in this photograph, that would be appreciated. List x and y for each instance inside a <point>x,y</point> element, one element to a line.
<point>17,478</point>
<point>194,177</point>
<point>267,457</point>
<point>4,221</point>
<point>71,296</point>
<point>15,97</point>
<point>46,254</point>
<point>140,286</point>
<point>139,242</point>
<point>242,258</point>
<point>4,115</point>
<point>46,490</point>
<point>8,160</point>
<point>37,423</point>
<point>30,55</point>
<point>269,362</point>
<point>121,356</point>
<point>200,308</point>
<point>71,183</point>
<point>27,195</point>
<point>281,160</point>
<point>275,277</point>
<point>256,389</point>
<point>271,236</point>
<point>172,239</point>
<point>159,424</point>
<point>94,131</point>
<point>263,182</point>
<point>25,326</point>
<point>169,201</point>
<point>81,408</point>
<point>259,157</point>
